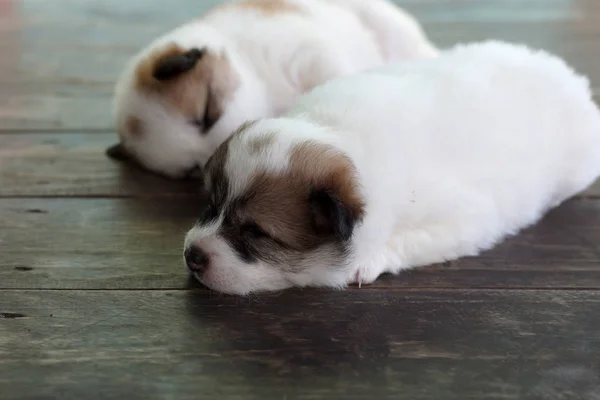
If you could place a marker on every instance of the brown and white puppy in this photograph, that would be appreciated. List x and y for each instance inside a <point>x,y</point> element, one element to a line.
<point>185,93</point>
<point>405,165</point>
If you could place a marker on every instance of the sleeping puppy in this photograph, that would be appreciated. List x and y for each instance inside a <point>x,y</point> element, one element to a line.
<point>183,95</point>
<point>399,167</point>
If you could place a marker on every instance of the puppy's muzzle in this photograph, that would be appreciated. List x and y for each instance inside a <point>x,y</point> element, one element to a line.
<point>196,259</point>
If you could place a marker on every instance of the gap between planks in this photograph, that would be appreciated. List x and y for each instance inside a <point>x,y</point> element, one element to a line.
<point>308,292</point>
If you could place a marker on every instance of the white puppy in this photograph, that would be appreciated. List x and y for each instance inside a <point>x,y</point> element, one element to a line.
<point>404,166</point>
<point>186,92</point>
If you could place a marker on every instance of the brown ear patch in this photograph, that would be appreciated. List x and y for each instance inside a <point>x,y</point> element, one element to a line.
<point>199,93</point>
<point>286,196</point>
<point>328,169</point>
<point>279,207</point>
<point>144,72</point>
<point>175,65</point>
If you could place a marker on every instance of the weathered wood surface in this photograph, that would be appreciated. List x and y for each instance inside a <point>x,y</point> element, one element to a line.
<point>94,302</point>
<point>66,54</point>
<point>358,344</point>
<point>74,164</point>
<point>136,244</point>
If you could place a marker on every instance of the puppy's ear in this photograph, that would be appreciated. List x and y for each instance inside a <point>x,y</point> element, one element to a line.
<point>173,65</point>
<point>331,216</point>
<point>117,152</point>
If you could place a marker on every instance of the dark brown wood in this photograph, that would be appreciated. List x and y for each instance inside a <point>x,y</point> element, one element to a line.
<point>358,344</point>
<point>593,191</point>
<point>103,243</point>
<point>75,164</point>
<point>66,57</point>
<point>129,244</point>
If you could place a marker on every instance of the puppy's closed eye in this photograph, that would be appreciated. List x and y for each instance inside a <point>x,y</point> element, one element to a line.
<point>203,124</point>
<point>253,230</point>
<point>198,123</point>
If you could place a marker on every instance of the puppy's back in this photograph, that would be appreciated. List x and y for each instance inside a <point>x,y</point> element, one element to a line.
<point>472,92</point>
<point>492,117</point>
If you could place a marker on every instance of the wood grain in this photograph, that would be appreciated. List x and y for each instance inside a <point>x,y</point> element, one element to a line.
<point>64,64</point>
<point>95,303</point>
<point>62,243</point>
<point>136,243</point>
<point>75,164</point>
<point>359,344</point>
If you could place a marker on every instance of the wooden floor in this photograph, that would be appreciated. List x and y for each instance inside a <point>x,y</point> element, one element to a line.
<point>94,301</point>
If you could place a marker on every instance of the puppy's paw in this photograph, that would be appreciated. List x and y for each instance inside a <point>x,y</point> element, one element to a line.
<point>365,275</point>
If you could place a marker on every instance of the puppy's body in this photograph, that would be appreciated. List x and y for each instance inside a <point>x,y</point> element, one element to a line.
<point>184,94</point>
<point>398,35</point>
<point>399,167</point>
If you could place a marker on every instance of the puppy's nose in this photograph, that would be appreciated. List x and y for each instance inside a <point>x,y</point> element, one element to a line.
<point>196,259</point>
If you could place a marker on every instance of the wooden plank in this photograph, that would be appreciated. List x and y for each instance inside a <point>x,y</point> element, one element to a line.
<point>358,344</point>
<point>69,92</point>
<point>75,165</point>
<point>593,191</point>
<point>136,243</point>
<point>501,11</point>
<point>60,243</point>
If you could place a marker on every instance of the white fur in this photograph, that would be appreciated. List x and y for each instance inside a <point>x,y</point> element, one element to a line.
<point>277,56</point>
<point>453,155</point>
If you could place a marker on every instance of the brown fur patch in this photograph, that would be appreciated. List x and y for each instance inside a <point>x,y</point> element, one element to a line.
<point>280,202</point>
<point>144,71</point>
<point>259,144</point>
<point>328,169</point>
<point>287,206</point>
<point>212,81</point>
<point>133,125</point>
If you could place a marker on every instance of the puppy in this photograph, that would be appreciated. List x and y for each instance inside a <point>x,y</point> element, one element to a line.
<point>402,166</point>
<point>183,95</point>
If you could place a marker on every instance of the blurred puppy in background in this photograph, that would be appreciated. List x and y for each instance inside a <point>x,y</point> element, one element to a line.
<point>185,93</point>
<point>398,167</point>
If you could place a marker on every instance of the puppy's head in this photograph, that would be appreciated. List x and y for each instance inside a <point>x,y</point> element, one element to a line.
<point>282,212</point>
<point>175,104</point>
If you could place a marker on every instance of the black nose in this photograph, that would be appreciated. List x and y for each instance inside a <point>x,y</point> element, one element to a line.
<point>196,259</point>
